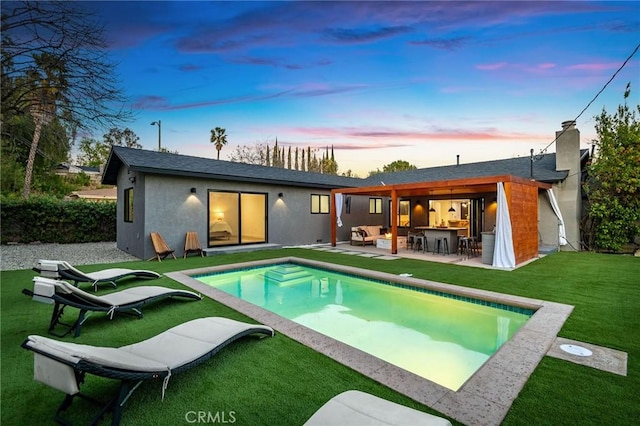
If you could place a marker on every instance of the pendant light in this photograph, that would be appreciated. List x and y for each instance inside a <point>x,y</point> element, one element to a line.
<point>451,209</point>
<point>431,209</point>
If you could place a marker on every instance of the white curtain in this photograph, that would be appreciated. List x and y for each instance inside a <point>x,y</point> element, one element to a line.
<point>339,198</point>
<point>503,254</point>
<point>562,234</point>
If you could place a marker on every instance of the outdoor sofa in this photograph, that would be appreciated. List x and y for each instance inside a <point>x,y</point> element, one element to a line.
<point>366,234</point>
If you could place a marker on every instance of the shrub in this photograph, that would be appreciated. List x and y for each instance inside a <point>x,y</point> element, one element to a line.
<point>49,220</point>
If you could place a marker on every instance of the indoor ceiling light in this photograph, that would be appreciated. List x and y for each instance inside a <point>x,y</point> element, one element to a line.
<point>451,209</point>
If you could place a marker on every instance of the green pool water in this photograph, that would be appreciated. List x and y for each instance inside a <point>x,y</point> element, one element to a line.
<point>442,339</point>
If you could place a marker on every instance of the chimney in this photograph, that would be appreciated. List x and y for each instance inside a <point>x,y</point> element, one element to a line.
<point>568,147</point>
<point>458,160</point>
<point>568,191</point>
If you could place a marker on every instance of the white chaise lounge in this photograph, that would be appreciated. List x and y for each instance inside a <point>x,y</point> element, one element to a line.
<point>63,365</point>
<point>130,301</point>
<point>359,408</point>
<point>64,270</point>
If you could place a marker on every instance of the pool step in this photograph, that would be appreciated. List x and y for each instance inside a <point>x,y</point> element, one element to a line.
<point>288,275</point>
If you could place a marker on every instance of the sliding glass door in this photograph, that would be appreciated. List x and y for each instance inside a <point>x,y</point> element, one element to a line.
<point>237,218</point>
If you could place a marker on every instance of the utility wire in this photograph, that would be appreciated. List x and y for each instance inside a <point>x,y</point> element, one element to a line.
<point>542,151</point>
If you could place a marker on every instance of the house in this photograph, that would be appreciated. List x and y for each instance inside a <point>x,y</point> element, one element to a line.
<point>102,194</point>
<point>226,203</point>
<point>230,203</point>
<point>68,170</point>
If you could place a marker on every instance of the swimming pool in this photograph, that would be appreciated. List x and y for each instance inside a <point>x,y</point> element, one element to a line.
<point>443,337</point>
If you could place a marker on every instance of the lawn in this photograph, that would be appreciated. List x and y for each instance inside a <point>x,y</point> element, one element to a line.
<point>277,381</point>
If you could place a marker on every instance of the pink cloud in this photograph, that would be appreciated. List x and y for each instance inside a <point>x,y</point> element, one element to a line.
<point>467,135</point>
<point>594,66</point>
<point>158,103</point>
<point>491,67</point>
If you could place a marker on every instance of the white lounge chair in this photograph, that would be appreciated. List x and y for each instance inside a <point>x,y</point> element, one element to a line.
<point>353,408</point>
<point>62,269</point>
<point>129,301</point>
<point>63,365</point>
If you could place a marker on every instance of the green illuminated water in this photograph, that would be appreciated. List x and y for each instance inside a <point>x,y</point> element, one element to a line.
<point>439,338</point>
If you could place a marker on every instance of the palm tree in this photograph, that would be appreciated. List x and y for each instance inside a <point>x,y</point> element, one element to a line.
<point>46,83</point>
<point>219,138</point>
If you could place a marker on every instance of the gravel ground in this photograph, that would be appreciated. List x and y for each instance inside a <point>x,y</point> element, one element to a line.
<point>24,256</point>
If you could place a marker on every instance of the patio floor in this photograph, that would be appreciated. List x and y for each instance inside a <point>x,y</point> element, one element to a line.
<point>385,254</point>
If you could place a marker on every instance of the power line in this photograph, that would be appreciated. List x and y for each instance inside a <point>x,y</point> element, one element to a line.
<point>542,151</point>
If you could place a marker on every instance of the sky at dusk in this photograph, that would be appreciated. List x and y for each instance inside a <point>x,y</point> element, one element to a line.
<point>380,81</point>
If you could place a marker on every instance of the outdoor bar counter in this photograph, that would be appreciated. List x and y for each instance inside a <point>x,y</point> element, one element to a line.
<point>450,233</point>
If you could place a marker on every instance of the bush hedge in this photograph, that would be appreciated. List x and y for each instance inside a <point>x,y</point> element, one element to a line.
<point>50,220</point>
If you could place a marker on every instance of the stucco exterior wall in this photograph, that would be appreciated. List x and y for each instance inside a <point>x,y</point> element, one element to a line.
<point>547,220</point>
<point>172,210</point>
<point>359,215</point>
<point>130,235</point>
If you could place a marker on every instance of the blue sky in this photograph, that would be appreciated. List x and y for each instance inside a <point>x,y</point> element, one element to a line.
<point>380,81</point>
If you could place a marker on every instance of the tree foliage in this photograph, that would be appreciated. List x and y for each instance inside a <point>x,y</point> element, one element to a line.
<point>55,69</point>
<point>613,187</point>
<point>257,154</point>
<point>17,134</point>
<point>65,41</point>
<point>94,153</point>
<point>119,137</point>
<point>395,166</point>
<point>294,159</point>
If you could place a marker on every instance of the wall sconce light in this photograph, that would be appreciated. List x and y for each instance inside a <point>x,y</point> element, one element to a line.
<point>280,195</point>
<point>132,179</point>
<point>220,215</point>
<point>193,190</point>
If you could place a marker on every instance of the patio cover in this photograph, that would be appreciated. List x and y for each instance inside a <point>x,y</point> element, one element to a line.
<point>525,233</point>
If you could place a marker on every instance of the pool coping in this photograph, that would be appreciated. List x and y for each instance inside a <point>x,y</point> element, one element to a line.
<point>484,399</point>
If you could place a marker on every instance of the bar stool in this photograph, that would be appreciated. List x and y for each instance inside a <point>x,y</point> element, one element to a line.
<point>463,246</point>
<point>410,240</point>
<point>473,246</point>
<point>441,242</point>
<point>420,242</point>
<point>425,244</point>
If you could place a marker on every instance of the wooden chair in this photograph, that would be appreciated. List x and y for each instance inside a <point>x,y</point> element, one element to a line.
<point>192,244</point>
<point>161,247</point>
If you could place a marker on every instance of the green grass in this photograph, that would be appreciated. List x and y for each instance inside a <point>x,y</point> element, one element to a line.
<point>276,381</point>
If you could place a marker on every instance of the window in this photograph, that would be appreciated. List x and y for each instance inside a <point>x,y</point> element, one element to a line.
<point>128,205</point>
<point>375,205</point>
<point>319,204</point>
<point>404,215</point>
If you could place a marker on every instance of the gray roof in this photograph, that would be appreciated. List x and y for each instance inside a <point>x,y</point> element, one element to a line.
<point>544,170</point>
<point>140,160</point>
